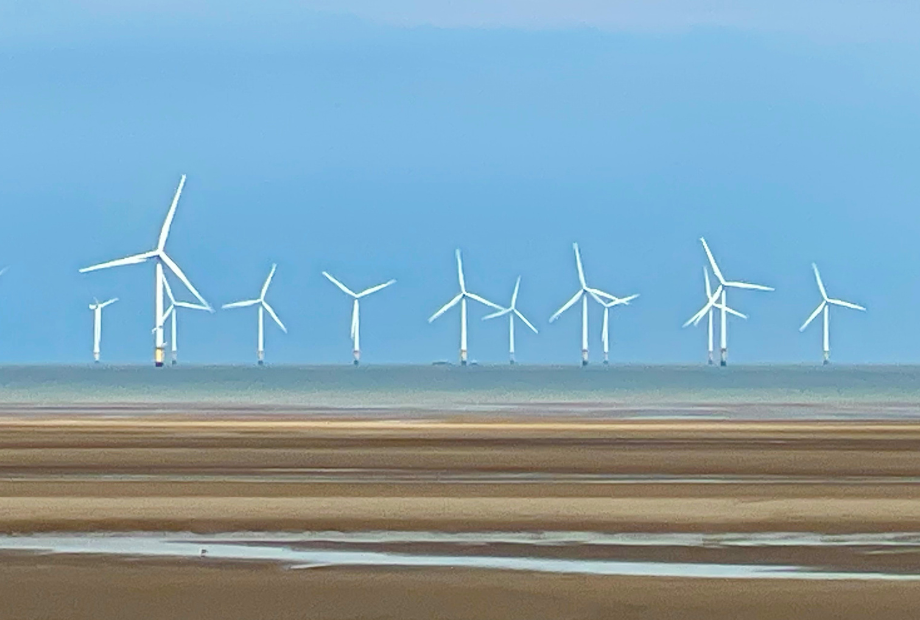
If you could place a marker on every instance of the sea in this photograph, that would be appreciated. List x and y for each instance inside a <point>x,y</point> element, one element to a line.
<point>606,391</point>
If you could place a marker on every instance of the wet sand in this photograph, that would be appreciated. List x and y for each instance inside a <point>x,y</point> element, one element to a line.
<point>101,589</point>
<point>201,473</point>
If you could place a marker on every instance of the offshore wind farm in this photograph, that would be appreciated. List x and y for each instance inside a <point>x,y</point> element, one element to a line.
<point>472,310</point>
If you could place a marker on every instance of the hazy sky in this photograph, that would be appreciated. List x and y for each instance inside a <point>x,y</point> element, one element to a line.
<point>371,142</point>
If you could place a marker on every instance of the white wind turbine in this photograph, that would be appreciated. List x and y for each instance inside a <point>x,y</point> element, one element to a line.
<point>605,331</point>
<point>355,311</point>
<point>717,300</point>
<point>263,306</point>
<point>461,298</point>
<point>172,312</point>
<point>824,307</point>
<point>512,311</point>
<point>97,307</point>
<point>159,255</point>
<point>715,306</point>
<point>583,294</point>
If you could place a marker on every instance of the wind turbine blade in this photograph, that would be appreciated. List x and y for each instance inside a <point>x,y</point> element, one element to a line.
<point>567,305</point>
<point>813,315</point>
<point>341,286</point>
<point>4,270</point>
<point>495,315</point>
<point>241,304</point>
<point>460,272</point>
<point>712,261</point>
<point>453,302</point>
<point>732,311</point>
<point>596,293</point>
<point>514,295</point>
<point>845,304</point>
<point>185,304</point>
<point>274,316</point>
<point>127,260</point>
<point>747,285</point>
<point>526,322</point>
<point>268,280</point>
<point>483,301</point>
<point>107,303</point>
<point>176,270</point>
<point>695,319</point>
<point>164,232</point>
<point>820,283</point>
<point>374,289</point>
<point>169,292</point>
<point>708,283</point>
<point>581,271</point>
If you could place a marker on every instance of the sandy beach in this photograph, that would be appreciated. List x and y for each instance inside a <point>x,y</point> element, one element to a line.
<point>248,473</point>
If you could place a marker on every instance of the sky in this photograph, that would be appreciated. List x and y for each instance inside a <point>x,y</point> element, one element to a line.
<point>371,139</point>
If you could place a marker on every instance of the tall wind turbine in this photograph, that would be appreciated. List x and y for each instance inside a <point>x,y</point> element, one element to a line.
<point>263,307</point>
<point>605,332</point>
<point>461,298</point>
<point>583,293</point>
<point>824,307</point>
<point>512,312</point>
<point>97,307</point>
<point>355,311</point>
<point>171,312</point>
<point>158,254</point>
<point>718,300</point>
<point>715,306</point>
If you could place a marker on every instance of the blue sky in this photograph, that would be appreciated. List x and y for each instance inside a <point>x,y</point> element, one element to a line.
<point>372,142</point>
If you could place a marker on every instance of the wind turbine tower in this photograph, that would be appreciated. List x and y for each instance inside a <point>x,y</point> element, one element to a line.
<point>583,292</point>
<point>97,307</point>
<point>355,311</point>
<point>718,300</point>
<point>512,312</point>
<point>605,332</point>
<point>171,313</point>
<point>461,298</point>
<point>824,308</point>
<point>158,254</point>
<point>263,307</point>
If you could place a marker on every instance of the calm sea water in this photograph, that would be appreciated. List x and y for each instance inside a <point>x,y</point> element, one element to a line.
<point>865,390</point>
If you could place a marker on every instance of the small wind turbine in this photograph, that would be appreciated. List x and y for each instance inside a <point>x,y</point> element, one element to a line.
<point>355,316</point>
<point>172,311</point>
<point>715,306</point>
<point>97,307</point>
<point>161,258</point>
<point>263,307</point>
<point>583,294</point>
<point>717,300</point>
<point>512,311</point>
<point>823,307</point>
<point>461,298</point>
<point>605,332</point>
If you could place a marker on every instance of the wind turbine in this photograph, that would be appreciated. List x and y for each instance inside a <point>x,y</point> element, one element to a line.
<point>159,255</point>
<point>355,316</point>
<point>97,307</point>
<point>717,300</point>
<point>461,298</point>
<point>824,307</point>
<point>716,306</point>
<point>172,311</point>
<point>583,294</point>
<point>605,332</point>
<point>263,306</point>
<point>512,311</point>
